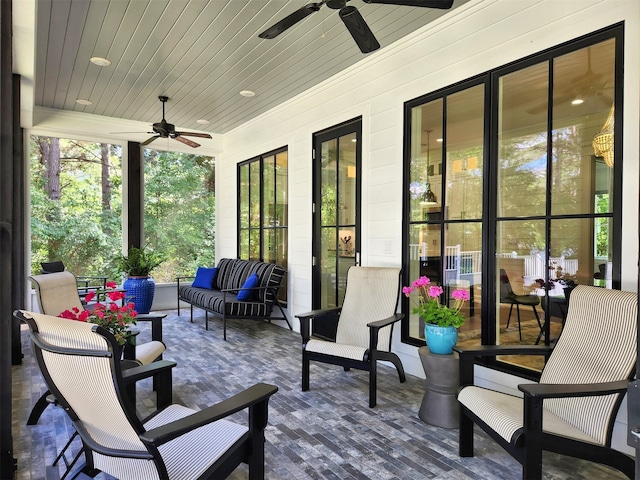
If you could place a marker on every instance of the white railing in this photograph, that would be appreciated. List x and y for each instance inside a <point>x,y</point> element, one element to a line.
<point>465,265</point>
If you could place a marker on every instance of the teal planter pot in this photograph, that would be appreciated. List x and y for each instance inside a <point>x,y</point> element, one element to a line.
<point>440,340</point>
<point>140,291</point>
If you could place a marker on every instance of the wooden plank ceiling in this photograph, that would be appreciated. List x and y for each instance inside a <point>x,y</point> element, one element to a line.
<point>199,53</point>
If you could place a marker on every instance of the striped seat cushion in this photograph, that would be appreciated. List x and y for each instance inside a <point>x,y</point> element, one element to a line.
<point>504,414</point>
<point>336,349</point>
<point>186,457</point>
<point>212,300</point>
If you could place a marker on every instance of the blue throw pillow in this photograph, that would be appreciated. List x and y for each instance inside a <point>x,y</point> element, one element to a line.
<point>205,277</point>
<point>245,295</point>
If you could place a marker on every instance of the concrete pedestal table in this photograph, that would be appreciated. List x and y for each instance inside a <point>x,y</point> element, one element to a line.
<point>439,405</point>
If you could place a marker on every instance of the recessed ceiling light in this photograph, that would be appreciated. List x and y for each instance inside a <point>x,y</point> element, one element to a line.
<point>82,101</point>
<point>247,93</point>
<point>439,140</point>
<point>202,121</point>
<point>101,62</point>
<point>577,101</point>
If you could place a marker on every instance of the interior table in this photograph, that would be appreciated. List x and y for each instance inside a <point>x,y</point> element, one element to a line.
<point>439,405</point>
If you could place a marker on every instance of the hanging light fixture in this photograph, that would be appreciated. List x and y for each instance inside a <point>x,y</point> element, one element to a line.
<point>603,140</point>
<point>428,198</point>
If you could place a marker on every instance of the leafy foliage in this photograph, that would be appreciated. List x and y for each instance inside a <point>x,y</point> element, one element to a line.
<point>139,262</point>
<point>75,228</point>
<point>81,224</point>
<point>179,212</point>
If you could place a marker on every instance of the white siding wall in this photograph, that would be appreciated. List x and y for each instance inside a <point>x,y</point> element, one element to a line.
<point>473,39</point>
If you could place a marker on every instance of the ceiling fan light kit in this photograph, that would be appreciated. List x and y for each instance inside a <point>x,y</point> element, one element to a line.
<point>351,17</point>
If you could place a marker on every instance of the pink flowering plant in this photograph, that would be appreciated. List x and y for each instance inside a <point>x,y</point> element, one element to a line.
<point>109,315</point>
<point>429,307</point>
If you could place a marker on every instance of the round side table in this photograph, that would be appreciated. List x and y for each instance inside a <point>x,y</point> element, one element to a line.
<point>439,406</point>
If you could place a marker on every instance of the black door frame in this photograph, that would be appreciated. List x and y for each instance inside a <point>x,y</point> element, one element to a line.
<point>350,126</point>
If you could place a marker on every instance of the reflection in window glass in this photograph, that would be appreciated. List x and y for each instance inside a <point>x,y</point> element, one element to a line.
<point>522,142</point>
<point>263,210</point>
<point>458,263</point>
<point>540,259</point>
<point>337,203</point>
<point>582,103</point>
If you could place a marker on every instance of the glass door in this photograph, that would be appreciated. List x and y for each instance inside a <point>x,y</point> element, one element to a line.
<point>336,219</point>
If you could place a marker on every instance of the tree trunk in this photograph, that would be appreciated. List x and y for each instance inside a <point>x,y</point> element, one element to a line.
<point>50,150</point>
<point>50,155</point>
<point>105,153</point>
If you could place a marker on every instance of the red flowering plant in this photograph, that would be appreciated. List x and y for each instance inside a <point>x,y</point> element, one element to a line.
<point>109,315</point>
<point>429,307</point>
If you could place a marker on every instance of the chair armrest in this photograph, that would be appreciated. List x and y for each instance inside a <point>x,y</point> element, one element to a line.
<point>145,371</point>
<point>250,397</point>
<point>493,350</point>
<point>321,316</point>
<point>386,321</point>
<point>319,313</point>
<point>562,390</point>
<point>468,356</point>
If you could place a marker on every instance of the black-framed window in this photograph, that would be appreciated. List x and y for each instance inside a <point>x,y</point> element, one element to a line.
<point>263,209</point>
<point>510,177</point>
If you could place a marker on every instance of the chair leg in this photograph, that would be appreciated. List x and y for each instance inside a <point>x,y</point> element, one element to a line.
<point>164,392</point>
<point>532,464</point>
<point>393,358</point>
<point>38,408</point>
<point>305,373</point>
<point>373,384</point>
<point>519,327</point>
<point>63,457</point>
<point>535,312</point>
<point>509,317</point>
<point>465,442</point>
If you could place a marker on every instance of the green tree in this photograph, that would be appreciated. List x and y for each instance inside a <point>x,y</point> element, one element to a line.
<point>76,204</point>
<point>179,215</point>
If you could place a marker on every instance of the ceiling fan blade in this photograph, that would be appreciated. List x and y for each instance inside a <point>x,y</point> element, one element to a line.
<point>186,141</point>
<point>149,140</point>
<point>359,29</point>
<point>124,133</point>
<point>290,20</point>
<point>442,4</point>
<point>194,134</point>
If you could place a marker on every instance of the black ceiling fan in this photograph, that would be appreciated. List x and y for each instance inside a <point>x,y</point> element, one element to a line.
<point>352,19</point>
<point>168,130</point>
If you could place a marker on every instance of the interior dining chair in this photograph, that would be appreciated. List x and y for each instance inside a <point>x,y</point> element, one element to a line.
<point>358,334</point>
<point>508,296</point>
<point>79,366</point>
<point>573,408</point>
<point>57,292</point>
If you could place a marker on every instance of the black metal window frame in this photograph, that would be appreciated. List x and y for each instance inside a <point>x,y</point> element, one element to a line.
<point>490,148</point>
<point>252,184</point>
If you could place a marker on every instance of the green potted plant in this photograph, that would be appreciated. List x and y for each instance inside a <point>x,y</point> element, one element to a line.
<point>137,265</point>
<point>441,322</point>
